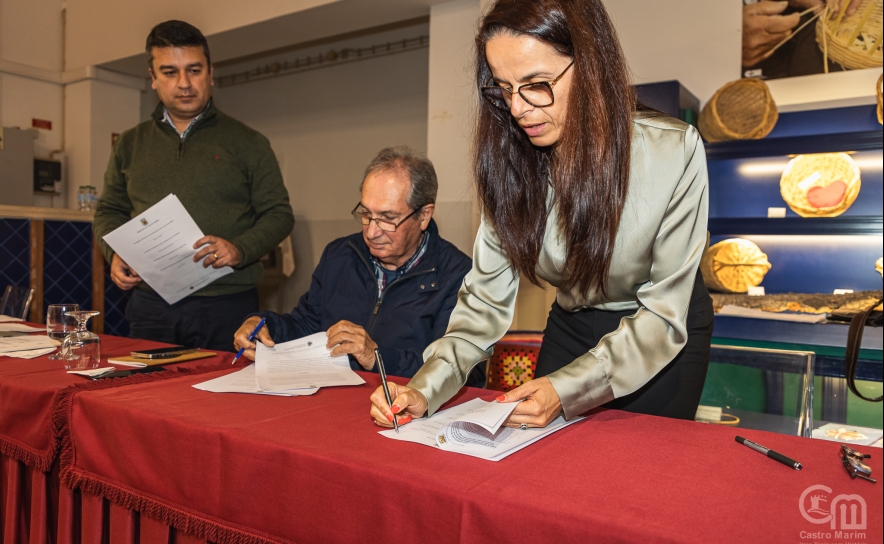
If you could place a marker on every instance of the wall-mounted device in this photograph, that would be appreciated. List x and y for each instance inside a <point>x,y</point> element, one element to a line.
<point>47,176</point>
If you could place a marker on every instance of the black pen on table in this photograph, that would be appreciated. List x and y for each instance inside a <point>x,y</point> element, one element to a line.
<point>251,339</point>
<point>779,457</point>
<point>383,372</point>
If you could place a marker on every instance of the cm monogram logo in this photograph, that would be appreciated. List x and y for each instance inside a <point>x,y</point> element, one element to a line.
<point>844,512</point>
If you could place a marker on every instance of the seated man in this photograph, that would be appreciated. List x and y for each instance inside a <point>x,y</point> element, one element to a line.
<point>391,287</point>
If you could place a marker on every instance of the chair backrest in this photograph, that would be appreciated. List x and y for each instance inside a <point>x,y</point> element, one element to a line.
<point>16,301</point>
<point>514,360</point>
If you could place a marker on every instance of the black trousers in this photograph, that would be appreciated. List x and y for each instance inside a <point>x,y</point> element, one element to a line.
<point>675,390</point>
<point>194,322</point>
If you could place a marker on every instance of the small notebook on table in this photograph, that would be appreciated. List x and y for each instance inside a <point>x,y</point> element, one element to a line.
<point>142,363</point>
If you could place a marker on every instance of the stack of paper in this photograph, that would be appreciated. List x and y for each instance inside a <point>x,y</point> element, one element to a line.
<point>27,347</point>
<point>245,381</point>
<point>6,326</point>
<point>474,428</point>
<point>9,319</point>
<point>295,368</point>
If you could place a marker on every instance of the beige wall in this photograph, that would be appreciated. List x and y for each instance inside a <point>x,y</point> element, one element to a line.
<point>325,126</point>
<point>101,31</point>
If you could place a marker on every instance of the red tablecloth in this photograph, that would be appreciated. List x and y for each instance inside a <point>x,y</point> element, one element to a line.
<point>32,393</point>
<point>244,468</point>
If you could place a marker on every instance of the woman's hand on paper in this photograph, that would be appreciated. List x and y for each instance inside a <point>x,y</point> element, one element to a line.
<point>408,403</point>
<point>217,252</point>
<point>241,337</point>
<point>540,407</point>
<point>122,274</point>
<point>346,338</point>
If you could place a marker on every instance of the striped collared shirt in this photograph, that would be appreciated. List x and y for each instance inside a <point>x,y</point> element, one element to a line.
<point>385,277</point>
<point>168,120</point>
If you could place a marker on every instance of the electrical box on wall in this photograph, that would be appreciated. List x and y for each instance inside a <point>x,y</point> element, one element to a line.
<point>47,176</point>
<point>17,167</point>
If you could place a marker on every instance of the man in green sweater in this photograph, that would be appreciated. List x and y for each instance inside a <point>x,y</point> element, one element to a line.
<point>226,176</point>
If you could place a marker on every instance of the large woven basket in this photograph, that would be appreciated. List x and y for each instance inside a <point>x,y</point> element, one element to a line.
<point>820,185</point>
<point>741,110</point>
<point>853,41</point>
<point>733,266</point>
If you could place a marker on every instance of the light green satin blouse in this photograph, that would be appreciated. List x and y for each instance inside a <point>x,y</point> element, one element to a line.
<point>660,240</point>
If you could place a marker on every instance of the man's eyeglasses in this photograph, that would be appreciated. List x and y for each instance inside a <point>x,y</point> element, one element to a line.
<point>539,95</point>
<point>365,219</point>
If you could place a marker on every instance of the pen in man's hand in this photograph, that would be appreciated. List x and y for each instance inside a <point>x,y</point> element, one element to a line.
<point>251,339</point>
<point>383,372</point>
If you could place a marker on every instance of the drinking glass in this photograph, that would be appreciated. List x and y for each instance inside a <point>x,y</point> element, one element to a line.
<point>59,325</point>
<point>82,348</point>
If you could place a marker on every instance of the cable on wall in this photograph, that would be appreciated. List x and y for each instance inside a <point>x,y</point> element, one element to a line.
<point>326,60</point>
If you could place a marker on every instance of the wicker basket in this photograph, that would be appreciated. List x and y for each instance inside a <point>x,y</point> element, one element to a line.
<point>733,266</point>
<point>821,185</point>
<point>741,110</point>
<point>853,41</point>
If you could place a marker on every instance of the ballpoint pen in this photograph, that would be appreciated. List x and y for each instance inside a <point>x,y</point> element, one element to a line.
<point>383,373</point>
<point>251,339</point>
<point>778,457</point>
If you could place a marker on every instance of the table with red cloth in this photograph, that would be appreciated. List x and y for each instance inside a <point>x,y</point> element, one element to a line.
<point>32,394</point>
<point>248,468</point>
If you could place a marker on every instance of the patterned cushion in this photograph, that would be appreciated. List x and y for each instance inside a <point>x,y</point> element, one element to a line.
<point>514,360</point>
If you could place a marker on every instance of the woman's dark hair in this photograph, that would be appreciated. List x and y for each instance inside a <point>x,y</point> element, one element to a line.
<point>588,167</point>
<point>176,34</point>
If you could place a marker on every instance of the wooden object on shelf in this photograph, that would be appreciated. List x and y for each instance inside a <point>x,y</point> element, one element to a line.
<point>733,266</point>
<point>880,92</point>
<point>853,41</point>
<point>741,110</point>
<point>811,303</point>
<point>820,185</point>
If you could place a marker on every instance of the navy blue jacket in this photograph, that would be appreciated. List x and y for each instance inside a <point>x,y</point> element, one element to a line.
<point>412,313</point>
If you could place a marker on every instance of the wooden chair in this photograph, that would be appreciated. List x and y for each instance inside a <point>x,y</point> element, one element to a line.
<point>16,301</point>
<point>514,360</point>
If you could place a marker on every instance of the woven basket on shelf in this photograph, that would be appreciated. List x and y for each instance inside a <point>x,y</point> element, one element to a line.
<point>741,110</point>
<point>853,41</point>
<point>733,266</point>
<point>820,185</point>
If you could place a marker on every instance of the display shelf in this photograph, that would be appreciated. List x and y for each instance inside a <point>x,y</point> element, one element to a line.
<point>873,225</point>
<point>794,145</point>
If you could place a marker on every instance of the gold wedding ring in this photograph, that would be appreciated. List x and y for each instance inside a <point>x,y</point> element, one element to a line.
<point>215,255</point>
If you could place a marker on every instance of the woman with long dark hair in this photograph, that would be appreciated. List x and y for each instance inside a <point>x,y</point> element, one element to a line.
<point>581,187</point>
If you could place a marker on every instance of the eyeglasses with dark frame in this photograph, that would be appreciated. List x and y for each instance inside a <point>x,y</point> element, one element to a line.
<point>539,94</point>
<point>388,226</point>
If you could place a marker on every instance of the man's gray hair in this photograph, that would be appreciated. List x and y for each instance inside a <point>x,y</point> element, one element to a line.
<point>419,169</point>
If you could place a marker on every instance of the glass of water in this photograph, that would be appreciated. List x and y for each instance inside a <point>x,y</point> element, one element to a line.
<point>82,348</point>
<point>59,325</point>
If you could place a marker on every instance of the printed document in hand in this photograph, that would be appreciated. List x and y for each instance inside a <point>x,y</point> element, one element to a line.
<point>158,245</point>
<point>246,381</point>
<point>302,363</point>
<point>474,428</point>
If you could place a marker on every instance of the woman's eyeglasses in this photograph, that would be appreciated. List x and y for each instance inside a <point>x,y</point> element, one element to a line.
<point>539,95</point>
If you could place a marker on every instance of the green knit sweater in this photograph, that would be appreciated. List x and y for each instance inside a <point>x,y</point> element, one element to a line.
<point>225,175</point>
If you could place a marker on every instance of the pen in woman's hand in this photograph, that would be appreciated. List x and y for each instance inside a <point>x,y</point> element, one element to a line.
<point>251,339</point>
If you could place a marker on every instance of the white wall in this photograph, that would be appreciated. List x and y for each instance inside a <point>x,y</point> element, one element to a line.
<point>451,104</point>
<point>325,126</point>
<point>100,31</point>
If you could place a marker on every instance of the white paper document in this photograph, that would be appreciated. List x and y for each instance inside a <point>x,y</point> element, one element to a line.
<point>9,319</point>
<point>13,344</point>
<point>19,327</point>
<point>463,429</point>
<point>739,311</point>
<point>302,363</point>
<point>28,354</point>
<point>93,372</point>
<point>246,381</point>
<point>158,244</point>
